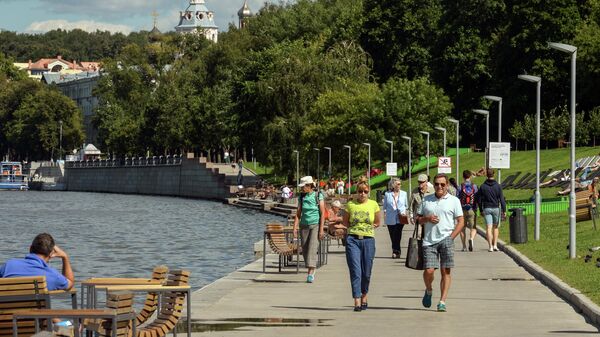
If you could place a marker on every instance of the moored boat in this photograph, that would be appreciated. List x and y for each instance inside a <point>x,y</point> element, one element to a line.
<point>12,177</point>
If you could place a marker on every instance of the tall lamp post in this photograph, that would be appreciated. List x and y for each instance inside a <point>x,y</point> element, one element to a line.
<point>349,166</point>
<point>455,121</point>
<point>499,100</point>
<point>487,133</point>
<point>538,81</point>
<point>318,168</point>
<point>569,49</point>
<point>444,131</point>
<point>427,134</point>
<point>391,149</point>
<point>297,168</point>
<point>369,167</point>
<point>329,167</point>
<point>409,163</point>
<point>60,141</point>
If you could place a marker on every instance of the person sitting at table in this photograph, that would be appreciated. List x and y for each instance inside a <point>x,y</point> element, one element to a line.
<point>42,249</point>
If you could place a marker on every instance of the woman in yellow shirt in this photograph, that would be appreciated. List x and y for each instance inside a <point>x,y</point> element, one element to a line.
<point>361,218</point>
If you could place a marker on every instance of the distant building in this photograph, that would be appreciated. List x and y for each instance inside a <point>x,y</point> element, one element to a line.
<point>243,14</point>
<point>79,87</point>
<point>198,19</point>
<point>56,65</point>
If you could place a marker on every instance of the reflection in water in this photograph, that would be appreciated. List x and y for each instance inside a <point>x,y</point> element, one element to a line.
<point>229,324</point>
<point>114,235</point>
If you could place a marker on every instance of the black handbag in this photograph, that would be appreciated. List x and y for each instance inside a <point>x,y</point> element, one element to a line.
<point>414,255</point>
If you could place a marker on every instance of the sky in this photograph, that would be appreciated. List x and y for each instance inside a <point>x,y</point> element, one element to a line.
<point>39,16</point>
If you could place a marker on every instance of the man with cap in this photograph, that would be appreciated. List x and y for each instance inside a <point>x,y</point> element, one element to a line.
<point>419,192</point>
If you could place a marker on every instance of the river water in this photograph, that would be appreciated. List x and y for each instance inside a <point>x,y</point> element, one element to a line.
<point>114,235</point>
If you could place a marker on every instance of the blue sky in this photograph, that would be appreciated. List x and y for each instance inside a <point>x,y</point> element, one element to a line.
<point>33,16</point>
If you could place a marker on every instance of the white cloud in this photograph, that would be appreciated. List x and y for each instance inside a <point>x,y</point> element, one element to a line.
<point>86,25</point>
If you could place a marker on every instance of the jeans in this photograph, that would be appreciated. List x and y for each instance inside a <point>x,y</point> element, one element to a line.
<point>359,256</point>
<point>396,236</point>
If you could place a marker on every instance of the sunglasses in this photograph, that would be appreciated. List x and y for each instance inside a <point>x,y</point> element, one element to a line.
<point>439,184</point>
<point>363,192</point>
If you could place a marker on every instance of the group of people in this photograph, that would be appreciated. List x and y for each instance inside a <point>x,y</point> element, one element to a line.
<point>444,211</point>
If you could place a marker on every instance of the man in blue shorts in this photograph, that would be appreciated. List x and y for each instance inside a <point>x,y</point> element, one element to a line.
<point>35,263</point>
<point>441,215</point>
<point>493,208</point>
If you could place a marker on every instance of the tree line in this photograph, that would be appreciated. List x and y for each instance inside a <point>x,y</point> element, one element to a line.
<point>341,72</point>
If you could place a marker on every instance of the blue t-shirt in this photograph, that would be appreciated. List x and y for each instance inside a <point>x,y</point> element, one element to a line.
<point>33,265</point>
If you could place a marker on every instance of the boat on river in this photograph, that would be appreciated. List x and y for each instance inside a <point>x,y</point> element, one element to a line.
<point>12,177</point>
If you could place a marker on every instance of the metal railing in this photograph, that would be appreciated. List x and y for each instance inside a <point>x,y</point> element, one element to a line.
<point>551,205</point>
<point>127,162</point>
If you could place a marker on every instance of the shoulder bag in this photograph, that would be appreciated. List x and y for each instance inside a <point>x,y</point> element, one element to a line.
<point>402,219</point>
<point>414,255</point>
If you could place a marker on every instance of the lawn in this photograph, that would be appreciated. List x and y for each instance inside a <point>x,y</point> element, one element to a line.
<point>551,252</point>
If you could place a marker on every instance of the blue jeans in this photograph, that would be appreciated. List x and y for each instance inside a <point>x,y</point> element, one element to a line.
<point>359,256</point>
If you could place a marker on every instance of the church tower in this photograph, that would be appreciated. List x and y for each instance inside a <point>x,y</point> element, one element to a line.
<point>243,14</point>
<point>198,19</point>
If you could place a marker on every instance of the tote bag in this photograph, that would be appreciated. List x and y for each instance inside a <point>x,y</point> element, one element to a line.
<point>414,256</point>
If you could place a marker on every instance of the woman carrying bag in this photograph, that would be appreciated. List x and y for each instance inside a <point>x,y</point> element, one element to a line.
<point>310,216</point>
<point>395,204</point>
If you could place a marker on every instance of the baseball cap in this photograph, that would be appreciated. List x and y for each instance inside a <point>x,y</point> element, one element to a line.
<point>422,178</point>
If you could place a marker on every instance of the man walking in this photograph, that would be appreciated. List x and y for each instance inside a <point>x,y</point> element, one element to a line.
<point>442,217</point>
<point>419,192</point>
<point>493,207</point>
<point>466,195</point>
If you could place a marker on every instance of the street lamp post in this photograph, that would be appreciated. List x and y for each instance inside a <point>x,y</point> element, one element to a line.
<point>427,134</point>
<point>409,163</point>
<point>60,141</point>
<point>455,121</point>
<point>391,149</point>
<point>369,167</point>
<point>499,100</point>
<point>444,131</point>
<point>318,168</point>
<point>538,81</point>
<point>349,167</point>
<point>297,167</point>
<point>487,133</point>
<point>565,48</point>
<point>329,167</point>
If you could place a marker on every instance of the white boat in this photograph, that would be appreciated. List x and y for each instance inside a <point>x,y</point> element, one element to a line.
<point>12,177</point>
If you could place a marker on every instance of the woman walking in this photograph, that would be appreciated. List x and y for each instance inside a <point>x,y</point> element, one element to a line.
<point>361,218</point>
<point>311,218</point>
<point>395,204</point>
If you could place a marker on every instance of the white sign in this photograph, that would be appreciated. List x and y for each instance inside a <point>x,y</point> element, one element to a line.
<point>444,165</point>
<point>391,169</point>
<point>499,157</point>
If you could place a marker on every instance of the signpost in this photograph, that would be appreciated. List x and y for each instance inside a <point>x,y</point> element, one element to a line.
<point>499,155</point>
<point>391,169</point>
<point>444,165</point>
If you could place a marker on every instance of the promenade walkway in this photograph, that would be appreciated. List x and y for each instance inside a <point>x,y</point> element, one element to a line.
<point>490,296</point>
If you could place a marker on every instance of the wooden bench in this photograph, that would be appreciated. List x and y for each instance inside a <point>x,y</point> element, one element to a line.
<point>276,236</point>
<point>584,207</point>
<point>18,294</point>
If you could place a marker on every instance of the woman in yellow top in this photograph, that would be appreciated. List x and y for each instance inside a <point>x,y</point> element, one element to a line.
<point>361,218</point>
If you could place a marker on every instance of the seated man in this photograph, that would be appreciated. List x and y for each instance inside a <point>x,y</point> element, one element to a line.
<point>35,263</point>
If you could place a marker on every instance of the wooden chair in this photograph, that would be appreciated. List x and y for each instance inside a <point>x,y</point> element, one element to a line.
<point>122,304</point>
<point>171,307</point>
<point>279,243</point>
<point>18,294</point>
<point>584,207</point>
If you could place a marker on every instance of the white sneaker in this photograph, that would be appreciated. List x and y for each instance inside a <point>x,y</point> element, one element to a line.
<point>496,249</point>
<point>491,249</point>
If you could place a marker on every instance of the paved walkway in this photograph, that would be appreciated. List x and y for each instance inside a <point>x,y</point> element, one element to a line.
<point>490,296</point>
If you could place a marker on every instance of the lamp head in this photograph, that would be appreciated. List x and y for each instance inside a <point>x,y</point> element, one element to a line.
<point>388,141</point>
<point>367,144</point>
<point>452,120</point>
<point>565,48</point>
<point>327,148</point>
<point>482,112</point>
<point>440,128</point>
<point>406,137</point>
<point>530,78</point>
<point>493,98</point>
<point>424,133</point>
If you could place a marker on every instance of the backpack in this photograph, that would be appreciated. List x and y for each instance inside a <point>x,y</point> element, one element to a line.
<point>467,196</point>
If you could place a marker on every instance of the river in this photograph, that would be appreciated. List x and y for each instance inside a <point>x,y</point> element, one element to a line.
<point>114,235</point>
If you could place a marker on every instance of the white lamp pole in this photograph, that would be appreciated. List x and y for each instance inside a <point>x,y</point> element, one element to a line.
<point>455,121</point>
<point>427,134</point>
<point>409,163</point>
<point>444,131</point>
<point>565,48</point>
<point>297,168</point>
<point>369,167</point>
<point>391,149</point>
<point>349,167</point>
<point>487,133</point>
<point>538,197</point>
<point>329,167</point>
<point>499,100</point>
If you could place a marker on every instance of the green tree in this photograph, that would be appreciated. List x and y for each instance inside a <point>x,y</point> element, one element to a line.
<point>517,133</point>
<point>594,123</point>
